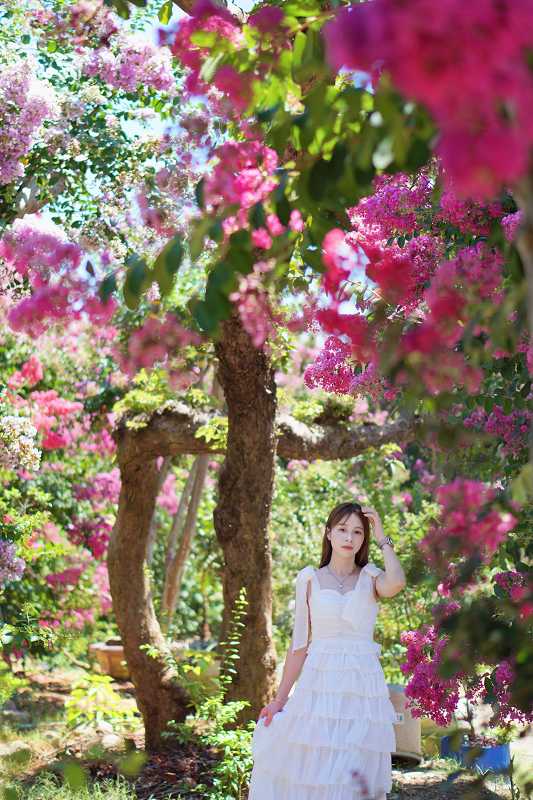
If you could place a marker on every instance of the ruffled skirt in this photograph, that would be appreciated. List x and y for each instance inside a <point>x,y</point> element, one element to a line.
<point>334,737</point>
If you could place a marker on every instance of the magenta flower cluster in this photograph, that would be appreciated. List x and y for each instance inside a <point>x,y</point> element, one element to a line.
<point>93,533</point>
<point>160,341</point>
<point>37,248</point>
<point>511,429</point>
<point>242,176</point>
<point>467,63</point>
<point>469,525</point>
<point>428,693</point>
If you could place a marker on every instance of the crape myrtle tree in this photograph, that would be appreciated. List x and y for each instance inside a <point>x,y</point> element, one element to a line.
<point>351,141</point>
<point>51,277</point>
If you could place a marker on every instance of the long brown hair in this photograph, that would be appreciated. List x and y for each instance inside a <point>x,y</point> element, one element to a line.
<point>342,512</point>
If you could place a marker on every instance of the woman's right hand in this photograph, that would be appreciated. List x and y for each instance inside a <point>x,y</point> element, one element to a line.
<point>268,711</point>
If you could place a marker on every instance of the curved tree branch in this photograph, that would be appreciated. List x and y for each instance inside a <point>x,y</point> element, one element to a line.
<point>172,432</point>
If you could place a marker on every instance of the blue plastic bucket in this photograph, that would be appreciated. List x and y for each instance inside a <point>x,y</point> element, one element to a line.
<point>495,758</point>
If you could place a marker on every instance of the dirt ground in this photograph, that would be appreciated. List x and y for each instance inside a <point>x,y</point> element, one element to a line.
<point>177,772</point>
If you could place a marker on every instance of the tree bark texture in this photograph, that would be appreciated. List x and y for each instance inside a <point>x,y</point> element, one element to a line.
<point>242,513</point>
<point>159,697</point>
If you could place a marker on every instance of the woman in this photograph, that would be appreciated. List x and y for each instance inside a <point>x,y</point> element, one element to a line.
<point>333,737</point>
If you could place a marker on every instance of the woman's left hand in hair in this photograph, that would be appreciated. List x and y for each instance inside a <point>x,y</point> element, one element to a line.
<point>375,521</point>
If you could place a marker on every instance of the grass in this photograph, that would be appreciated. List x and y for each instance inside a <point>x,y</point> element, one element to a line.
<point>49,787</point>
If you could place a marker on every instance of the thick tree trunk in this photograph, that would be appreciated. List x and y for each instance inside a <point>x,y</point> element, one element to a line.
<point>242,513</point>
<point>160,698</point>
<point>163,472</point>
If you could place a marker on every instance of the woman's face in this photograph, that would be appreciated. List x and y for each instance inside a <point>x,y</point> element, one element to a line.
<point>348,535</point>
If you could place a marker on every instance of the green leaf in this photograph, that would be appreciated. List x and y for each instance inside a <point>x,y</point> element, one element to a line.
<point>199,193</point>
<point>75,776</point>
<point>132,763</point>
<point>167,264</point>
<point>107,287</point>
<point>267,114</point>
<point>283,210</point>
<point>210,66</point>
<point>136,277</point>
<point>197,237</point>
<point>418,154</point>
<point>319,177</point>
<point>203,38</point>
<point>308,59</point>
<point>240,239</point>
<point>522,485</point>
<point>121,7</point>
<point>165,12</point>
<point>338,160</point>
<point>216,231</point>
<point>257,216</point>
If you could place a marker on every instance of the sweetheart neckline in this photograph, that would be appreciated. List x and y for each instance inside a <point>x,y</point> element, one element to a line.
<point>341,594</point>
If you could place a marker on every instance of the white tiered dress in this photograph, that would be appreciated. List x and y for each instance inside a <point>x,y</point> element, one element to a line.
<point>334,737</point>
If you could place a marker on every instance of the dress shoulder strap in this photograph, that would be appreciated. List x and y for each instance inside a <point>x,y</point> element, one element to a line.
<point>372,569</point>
<point>301,622</point>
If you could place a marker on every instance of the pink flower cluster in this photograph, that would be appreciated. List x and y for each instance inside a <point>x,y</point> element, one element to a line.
<point>101,580</point>
<point>252,303</point>
<point>36,243</point>
<point>370,383</point>
<point>168,498</point>
<point>91,533</point>
<point>468,526</point>
<point>511,429</point>
<point>330,370</point>
<point>102,490</point>
<point>29,374</point>
<point>39,249</point>
<point>475,275</point>
<point>394,206</point>
<point>428,693</point>
<point>138,62</point>
<point>339,258</point>
<point>466,214</point>
<point>68,577</point>
<point>467,62</point>
<point>158,340</point>
<point>25,103</point>
<point>87,22</point>
<point>206,17</point>
<point>431,695</point>
<point>55,418</point>
<point>69,618</point>
<point>519,586</point>
<point>244,175</point>
<point>511,223</point>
